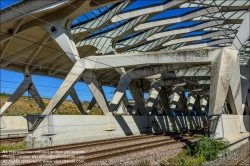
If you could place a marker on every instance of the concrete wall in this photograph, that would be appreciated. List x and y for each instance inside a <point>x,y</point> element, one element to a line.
<point>234,128</point>
<point>65,129</point>
<point>14,122</point>
<point>14,126</point>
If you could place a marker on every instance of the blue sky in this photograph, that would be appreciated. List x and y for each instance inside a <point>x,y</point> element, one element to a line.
<point>47,86</point>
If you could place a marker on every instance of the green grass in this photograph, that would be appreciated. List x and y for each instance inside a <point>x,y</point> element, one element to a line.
<point>205,149</point>
<point>6,146</point>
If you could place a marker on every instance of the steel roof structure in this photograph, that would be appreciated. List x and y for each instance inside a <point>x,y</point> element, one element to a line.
<point>117,27</point>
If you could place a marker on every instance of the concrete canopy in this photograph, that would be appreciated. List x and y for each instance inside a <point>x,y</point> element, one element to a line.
<point>43,38</point>
<point>23,36</point>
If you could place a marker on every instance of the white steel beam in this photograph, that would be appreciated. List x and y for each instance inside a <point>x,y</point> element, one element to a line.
<point>196,38</point>
<point>145,11</point>
<point>206,44</point>
<point>186,30</point>
<point>104,41</point>
<point>99,21</point>
<point>169,21</point>
<point>243,33</point>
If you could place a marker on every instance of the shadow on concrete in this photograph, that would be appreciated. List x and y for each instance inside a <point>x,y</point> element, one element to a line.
<point>124,126</point>
<point>179,123</point>
<point>246,122</point>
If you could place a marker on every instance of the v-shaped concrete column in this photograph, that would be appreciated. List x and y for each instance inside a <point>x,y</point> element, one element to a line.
<point>153,93</point>
<point>26,85</point>
<point>183,102</point>
<point>247,105</point>
<point>91,104</point>
<point>203,103</point>
<point>190,101</point>
<point>64,39</point>
<point>245,83</point>
<point>145,71</point>
<point>97,91</point>
<point>175,98</point>
<point>77,101</point>
<point>64,90</point>
<point>164,100</point>
<point>137,96</point>
<point>225,80</point>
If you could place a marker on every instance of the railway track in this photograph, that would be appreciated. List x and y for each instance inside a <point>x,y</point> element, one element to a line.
<point>102,149</point>
<point>244,161</point>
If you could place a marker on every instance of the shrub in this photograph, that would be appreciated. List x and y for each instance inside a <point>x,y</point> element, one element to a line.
<point>210,148</point>
<point>205,149</point>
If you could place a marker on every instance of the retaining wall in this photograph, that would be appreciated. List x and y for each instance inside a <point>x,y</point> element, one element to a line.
<point>234,128</point>
<point>65,129</point>
<point>14,122</point>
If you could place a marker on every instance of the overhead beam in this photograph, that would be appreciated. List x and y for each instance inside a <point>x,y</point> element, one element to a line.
<point>213,43</point>
<point>144,11</point>
<point>197,38</point>
<point>170,21</point>
<point>243,33</point>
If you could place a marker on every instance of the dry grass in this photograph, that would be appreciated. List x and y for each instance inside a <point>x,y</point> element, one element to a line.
<point>26,105</point>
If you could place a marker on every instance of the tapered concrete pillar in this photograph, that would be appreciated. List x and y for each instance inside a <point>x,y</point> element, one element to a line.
<point>175,99</point>
<point>64,90</point>
<point>153,94</point>
<point>138,97</point>
<point>35,95</point>
<point>225,82</point>
<point>77,101</point>
<point>243,33</point>
<point>64,38</point>
<point>164,100</point>
<point>197,105</point>
<point>203,103</point>
<point>191,101</point>
<point>120,91</point>
<point>135,109</point>
<point>245,83</point>
<point>26,85</point>
<point>183,102</point>
<point>125,100</point>
<point>91,104</point>
<point>97,91</point>
<point>247,105</point>
<point>141,72</point>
